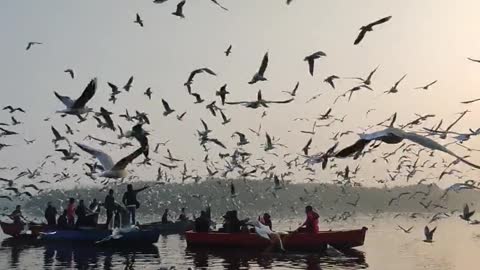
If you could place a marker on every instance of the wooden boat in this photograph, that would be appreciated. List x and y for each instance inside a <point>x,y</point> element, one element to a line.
<point>179,227</point>
<point>293,241</point>
<point>134,237</point>
<point>18,230</point>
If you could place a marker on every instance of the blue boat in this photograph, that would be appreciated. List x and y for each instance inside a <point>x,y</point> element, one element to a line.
<point>96,236</point>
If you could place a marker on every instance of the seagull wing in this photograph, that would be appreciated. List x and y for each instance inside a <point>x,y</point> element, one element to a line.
<point>87,94</point>
<point>104,158</point>
<point>68,102</point>
<point>382,20</point>
<point>264,64</point>
<point>180,7</point>
<point>311,64</point>
<point>165,105</point>
<point>352,149</point>
<point>279,101</point>
<point>122,163</point>
<point>360,36</point>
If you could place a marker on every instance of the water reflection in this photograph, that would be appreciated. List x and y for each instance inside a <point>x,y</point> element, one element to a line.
<point>77,256</point>
<point>241,259</point>
<point>18,254</point>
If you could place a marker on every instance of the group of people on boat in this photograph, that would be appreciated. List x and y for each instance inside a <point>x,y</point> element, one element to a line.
<point>232,224</point>
<point>79,215</point>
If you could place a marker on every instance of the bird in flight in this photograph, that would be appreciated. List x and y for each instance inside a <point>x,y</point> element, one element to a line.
<point>429,234</point>
<point>259,102</point>
<point>368,28</point>
<point>31,44</point>
<point>167,108</point>
<point>78,106</point>
<point>426,86</point>
<point>394,88</point>
<point>311,60</point>
<point>260,75</point>
<point>138,20</point>
<point>228,51</point>
<point>179,11</point>
<point>330,80</point>
<point>70,72</point>
<point>393,135</point>
<point>110,169</point>
<point>294,91</point>
<point>12,109</point>
<point>222,93</point>
<point>128,85</point>
<point>467,214</point>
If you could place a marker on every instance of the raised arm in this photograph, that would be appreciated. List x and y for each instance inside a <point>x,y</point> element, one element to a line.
<point>141,189</point>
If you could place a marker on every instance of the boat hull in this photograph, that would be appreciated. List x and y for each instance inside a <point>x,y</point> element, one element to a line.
<point>292,242</point>
<point>17,230</point>
<point>179,227</point>
<point>137,237</point>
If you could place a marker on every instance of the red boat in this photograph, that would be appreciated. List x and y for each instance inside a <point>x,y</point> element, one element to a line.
<point>17,230</point>
<point>292,241</point>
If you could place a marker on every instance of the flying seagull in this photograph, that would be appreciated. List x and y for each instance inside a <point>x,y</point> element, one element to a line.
<point>330,80</point>
<point>307,147</point>
<point>77,107</point>
<point>167,108</point>
<point>198,71</point>
<point>429,234</point>
<point>393,135</point>
<point>260,75</point>
<point>426,86</point>
<point>148,93</point>
<point>294,91</point>
<point>467,214</point>
<point>12,109</point>
<point>394,88</point>
<point>311,60</point>
<point>31,43</point>
<point>111,170</point>
<point>70,72</point>
<point>369,27</point>
<point>259,102</point>
<point>222,93</point>
<point>179,11</point>
<point>228,51</point>
<point>138,20</point>
<point>470,101</point>
<point>128,85</point>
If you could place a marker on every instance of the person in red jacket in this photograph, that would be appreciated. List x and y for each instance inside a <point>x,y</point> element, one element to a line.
<point>311,223</point>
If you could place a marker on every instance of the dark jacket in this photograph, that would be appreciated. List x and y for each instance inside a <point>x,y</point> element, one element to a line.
<point>50,215</point>
<point>109,202</point>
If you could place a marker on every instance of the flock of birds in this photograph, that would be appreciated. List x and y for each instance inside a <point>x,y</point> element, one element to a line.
<point>237,160</point>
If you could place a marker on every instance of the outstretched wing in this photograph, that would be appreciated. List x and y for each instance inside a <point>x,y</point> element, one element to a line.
<point>122,164</point>
<point>280,101</point>
<point>87,94</point>
<point>104,158</point>
<point>165,105</point>
<point>360,37</point>
<point>68,102</point>
<point>264,64</point>
<point>352,149</point>
<point>382,20</point>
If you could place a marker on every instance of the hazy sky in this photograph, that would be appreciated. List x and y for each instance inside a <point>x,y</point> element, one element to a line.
<point>428,40</point>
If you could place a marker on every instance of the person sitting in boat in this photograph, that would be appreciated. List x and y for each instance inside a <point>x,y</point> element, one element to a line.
<point>202,223</point>
<point>311,223</point>
<point>17,215</point>
<point>232,224</point>
<point>183,215</point>
<point>51,214</point>
<point>62,222</point>
<point>165,217</point>
<point>266,220</point>
<point>71,212</point>
<point>109,205</point>
<point>130,200</point>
